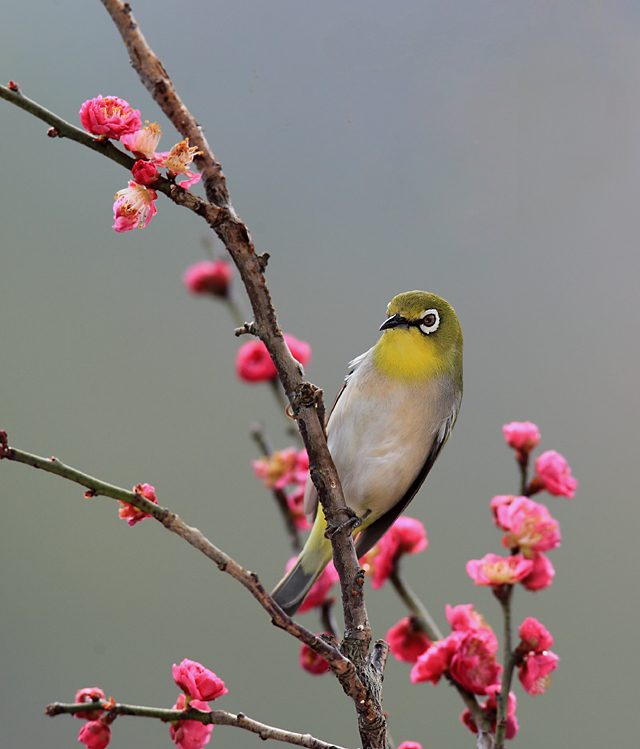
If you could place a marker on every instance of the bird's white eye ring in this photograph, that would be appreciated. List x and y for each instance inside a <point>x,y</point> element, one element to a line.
<point>429,321</point>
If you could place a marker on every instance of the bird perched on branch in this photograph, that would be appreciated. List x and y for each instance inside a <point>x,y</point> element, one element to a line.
<point>387,426</point>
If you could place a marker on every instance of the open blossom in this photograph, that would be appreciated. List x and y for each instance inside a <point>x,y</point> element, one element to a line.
<point>94,734</point>
<point>530,527</point>
<point>495,570</point>
<point>109,116</point>
<point>311,662</point>
<point>90,694</point>
<point>535,671</point>
<point>555,475</point>
<point>490,710</point>
<point>463,617</point>
<point>177,161</point>
<point>132,514</point>
<point>468,654</point>
<point>406,641</point>
<point>190,734</point>
<point>410,745</point>
<point>253,363</point>
<point>197,682</point>
<point>534,636</point>
<point>295,503</point>
<point>541,575</point>
<point>134,207</point>
<point>143,141</point>
<point>522,436</point>
<point>406,536</point>
<point>473,664</point>
<point>208,277</point>
<point>282,467</point>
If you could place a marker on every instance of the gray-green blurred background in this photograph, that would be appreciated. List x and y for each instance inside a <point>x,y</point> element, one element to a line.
<point>488,151</point>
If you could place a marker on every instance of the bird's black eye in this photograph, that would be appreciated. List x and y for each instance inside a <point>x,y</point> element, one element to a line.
<point>429,321</point>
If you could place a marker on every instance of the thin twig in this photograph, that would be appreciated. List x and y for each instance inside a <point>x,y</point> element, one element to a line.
<point>215,717</point>
<point>338,663</point>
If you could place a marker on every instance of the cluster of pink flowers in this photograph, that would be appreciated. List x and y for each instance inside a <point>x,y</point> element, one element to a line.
<point>286,470</point>
<point>132,514</point>
<point>468,654</point>
<point>552,470</point>
<point>199,686</point>
<point>209,277</point>
<point>111,117</point>
<point>537,661</point>
<point>406,536</point>
<point>96,732</point>
<point>253,363</point>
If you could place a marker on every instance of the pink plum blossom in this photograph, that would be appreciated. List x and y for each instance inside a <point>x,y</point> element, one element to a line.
<point>490,710</point>
<point>94,734</point>
<point>463,617</point>
<point>177,161</point>
<point>311,662</point>
<point>406,641</point>
<point>534,636</point>
<point>434,661</point>
<point>91,694</point>
<point>495,570</point>
<point>134,207</point>
<point>197,682</point>
<point>473,664</point>
<point>144,141</point>
<point>132,514</point>
<point>287,470</point>
<point>209,277</point>
<point>555,475</point>
<point>406,536</point>
<point>541,575</point>
<point>522,436</point>
<point>530,527</point>
<point>144,172</point>
<point>410,745</point>
<point>535,671</point>
<point>253,363</point>
<point>190,734</point>
<point>502,500</point>
<point>109,116</point>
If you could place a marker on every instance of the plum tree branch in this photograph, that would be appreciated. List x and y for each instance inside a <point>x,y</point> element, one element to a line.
<point>215,717</point>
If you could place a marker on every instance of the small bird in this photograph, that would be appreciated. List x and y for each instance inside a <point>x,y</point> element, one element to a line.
<point>388,424</point>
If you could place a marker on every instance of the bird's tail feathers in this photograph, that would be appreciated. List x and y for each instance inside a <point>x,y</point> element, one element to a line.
<point>293,588</point>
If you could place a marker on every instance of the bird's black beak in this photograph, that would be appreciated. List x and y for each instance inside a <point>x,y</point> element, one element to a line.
<point>395,321</point>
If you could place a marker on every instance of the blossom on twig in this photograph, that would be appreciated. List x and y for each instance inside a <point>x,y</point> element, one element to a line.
<point>521,436</point>
<point>406,536</point>
<point>530,527</point>
<point>91,694</point>
<point>253,363</point>
<point>496,570</point>
<point>197,682</point>
<point>95,734</point>
<point>144,141</point>
<point>553,471</point>
<point>132,514</point>
<point>134,207</point>
<point>311,662</point>
<point>406,641</point>
<point>209,277</point>
<point>490,710</point>
<point>190,734</point>
<point>109,116</point>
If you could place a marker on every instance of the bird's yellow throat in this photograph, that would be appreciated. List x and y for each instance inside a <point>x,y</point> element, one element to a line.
<point>407,355</point>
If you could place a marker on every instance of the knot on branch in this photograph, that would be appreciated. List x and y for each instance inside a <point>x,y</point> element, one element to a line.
<point>53,132</point>
<point>249,328</point>
<point>308,395</point>
<point>262,261</point>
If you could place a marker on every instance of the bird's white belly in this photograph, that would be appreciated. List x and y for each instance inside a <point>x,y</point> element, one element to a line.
<point>380,435</point>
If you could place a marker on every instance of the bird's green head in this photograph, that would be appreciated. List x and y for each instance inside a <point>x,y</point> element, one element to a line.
<point>421,339</point>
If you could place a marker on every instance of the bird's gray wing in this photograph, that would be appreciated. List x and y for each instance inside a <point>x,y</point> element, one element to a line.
<point>373,533</point>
